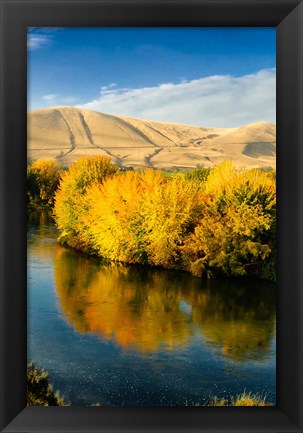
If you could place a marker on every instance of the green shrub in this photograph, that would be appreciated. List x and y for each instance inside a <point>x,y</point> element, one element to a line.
<point>200,174</point>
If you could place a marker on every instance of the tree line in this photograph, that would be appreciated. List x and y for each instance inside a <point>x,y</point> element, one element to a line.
<point>205,221</point>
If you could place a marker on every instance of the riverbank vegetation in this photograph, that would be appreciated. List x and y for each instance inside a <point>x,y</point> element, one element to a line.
<point>244,399</point>
<point>221,222</point>
<point>39,389</point>
<point>40,393</point>
<point>43,177</point>
<point>205,221</point>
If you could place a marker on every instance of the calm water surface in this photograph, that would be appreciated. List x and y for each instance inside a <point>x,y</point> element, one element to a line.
<point>138,336</point>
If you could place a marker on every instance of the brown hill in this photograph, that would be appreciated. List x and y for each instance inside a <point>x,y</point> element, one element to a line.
<point>66,133</point>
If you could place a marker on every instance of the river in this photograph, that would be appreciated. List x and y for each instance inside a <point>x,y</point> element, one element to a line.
<point>135,336</point>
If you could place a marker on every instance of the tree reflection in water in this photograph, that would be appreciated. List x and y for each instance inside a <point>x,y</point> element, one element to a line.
<point>150,309</point>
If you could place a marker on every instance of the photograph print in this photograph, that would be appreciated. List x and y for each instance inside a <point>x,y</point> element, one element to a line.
<point>151,198</point>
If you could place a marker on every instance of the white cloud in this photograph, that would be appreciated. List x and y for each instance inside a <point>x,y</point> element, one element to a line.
<point>40,37</point>
<point>35,41</point>
<point>220,100</point>
<point>49,97</point>
<point>110,86</point>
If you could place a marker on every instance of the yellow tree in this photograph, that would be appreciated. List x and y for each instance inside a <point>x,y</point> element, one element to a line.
<point>237,231</point>
<point>114,227</point>
<point>42,181</point>
<point>168,213</point>
<point>69,203</point>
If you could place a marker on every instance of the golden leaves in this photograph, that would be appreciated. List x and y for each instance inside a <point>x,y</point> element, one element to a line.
<point>42,180</point>
<point>224,222</point>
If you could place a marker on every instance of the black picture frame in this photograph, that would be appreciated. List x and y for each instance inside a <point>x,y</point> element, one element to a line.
<point>287,17</point>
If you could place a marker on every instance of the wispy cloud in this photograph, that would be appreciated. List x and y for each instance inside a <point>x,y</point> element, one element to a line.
<point>220,100</point>
<point>49,97</point>
<point>36,41</point>
<point>56,99</point>
<point>40,37</point>
<point>110,86</point>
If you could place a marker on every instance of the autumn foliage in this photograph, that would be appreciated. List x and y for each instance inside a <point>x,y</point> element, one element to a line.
<point>221,223</point>
<point>70,203</point>
<point>236,232</point>
<point>43,177</point>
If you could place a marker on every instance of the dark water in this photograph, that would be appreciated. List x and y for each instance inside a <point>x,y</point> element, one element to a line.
<point>137,336</point>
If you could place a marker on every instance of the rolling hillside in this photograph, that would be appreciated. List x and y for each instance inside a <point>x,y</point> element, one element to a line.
<point>66,133</point>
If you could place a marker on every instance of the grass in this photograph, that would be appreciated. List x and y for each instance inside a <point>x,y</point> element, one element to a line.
<point>244,399</point>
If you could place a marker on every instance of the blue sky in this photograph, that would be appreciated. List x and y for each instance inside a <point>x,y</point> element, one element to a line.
<point>203,76</point>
